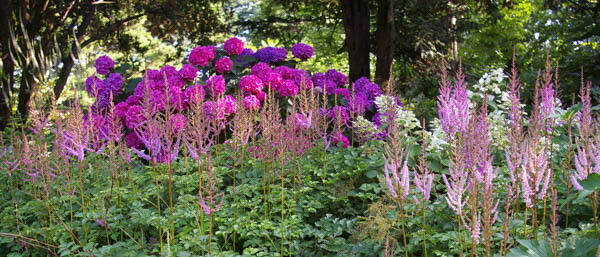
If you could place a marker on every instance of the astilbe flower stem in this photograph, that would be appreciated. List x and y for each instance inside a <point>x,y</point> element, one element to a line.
<point>423,183</point>
<point>243,128</point>
<point>399,184</point>
<point>210,207</point>
<point>513,152</point>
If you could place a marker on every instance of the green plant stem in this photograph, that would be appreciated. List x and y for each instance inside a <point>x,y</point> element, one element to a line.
<point>403,229</point>
<point>282,217</point>
<point>460,248</point>
<point>424,228</point>
<point>171,220</point>
<point>157,203</point>
<point>210,224</point>
<point>82,198</point>
<point>594,199</point>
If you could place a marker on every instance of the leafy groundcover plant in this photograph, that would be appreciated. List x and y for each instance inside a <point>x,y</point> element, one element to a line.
<point>241,153</point>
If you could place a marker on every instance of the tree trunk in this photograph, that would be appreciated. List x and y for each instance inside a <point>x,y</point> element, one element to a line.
<point>8,67</point>
<point>355,14</point>
<point>26,89</point>
<point>384,36</point>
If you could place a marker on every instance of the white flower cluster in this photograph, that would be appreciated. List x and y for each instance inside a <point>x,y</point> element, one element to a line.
<point>436,138</point>
<point>404,118</point>
<point>365,128</point>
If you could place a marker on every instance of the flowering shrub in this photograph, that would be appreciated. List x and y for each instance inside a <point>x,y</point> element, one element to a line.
<point>245,154</point>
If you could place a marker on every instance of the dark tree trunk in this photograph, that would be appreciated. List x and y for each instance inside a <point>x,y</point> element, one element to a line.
<point>384,36</point>
<point>8,67</point>
<point>26,89</point>
<point>355,14</point>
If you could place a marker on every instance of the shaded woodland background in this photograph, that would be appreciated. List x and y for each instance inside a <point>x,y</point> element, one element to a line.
<point>46,45</point>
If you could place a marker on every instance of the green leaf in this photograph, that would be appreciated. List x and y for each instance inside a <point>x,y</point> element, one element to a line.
<point>532,248</point>
<point>372,174</point>
<point>590,185</point>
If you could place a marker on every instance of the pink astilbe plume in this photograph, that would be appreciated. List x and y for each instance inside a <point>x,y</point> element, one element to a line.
<point>208,200</point>
<point>587,159</point>
<point>514,135</point>
<point>453,104</point>
<point>456,184</point>
<point>535,173</point>
<point>398,182</point>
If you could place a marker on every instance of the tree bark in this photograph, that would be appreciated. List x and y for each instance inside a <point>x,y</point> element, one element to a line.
<point>355,14</point>
<point>8,67</point>
<point>384,36</point>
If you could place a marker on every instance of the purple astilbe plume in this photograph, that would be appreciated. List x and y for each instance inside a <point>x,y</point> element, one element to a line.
<point>453,104</point>
<point>303,121</point>
<point>484,211</point>
<point>456,185</point>
<point>423,183</point>
<point>587,159</point>
<point>514,135</point>
<point>398,182</point>
<point>535,173</point>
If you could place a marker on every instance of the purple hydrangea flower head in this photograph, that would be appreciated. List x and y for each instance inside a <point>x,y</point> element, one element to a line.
<point>102,101</point>
<point>286,72</point>
<point>194,94</point>
<point>132,100</point>
<point>114,82</point>
<point>178,122</point>
<point>274,80</point>
<point>288,88</point>
<point>176,81</point>
<point>358,103</point>
<point>201,55</point>
<point>342,92</point>
<point>271,54</point>
<point>177,99</point>
<point>302,51</point>
<point>338,138</point>
<point>167,71</point>
<point>261,70</point>
<point>337,77</point>
<point>188,72</point>
<point>339,114</point>
<point>155,75</point>
<point>94,85</point>
<point>251,83</point>
<point>302,79</point>
<point>228,103</point>
<point>234,46</point>
<point>318,79</point>
<point>157,98</point>
<point>134,116</point>
<point>133,141</point>
<point>223,65</point>
<point>104,64</point>
<point>372,90</point>
<point>330,86</point>
<point>251,102</point>
<point>120,110</point>
<point>216,85</point>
